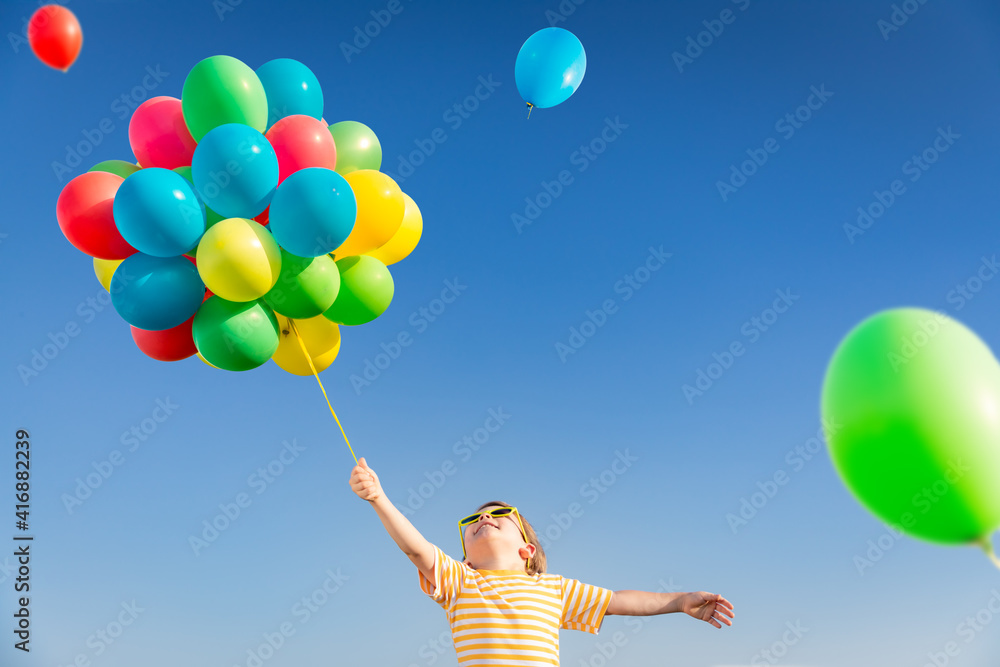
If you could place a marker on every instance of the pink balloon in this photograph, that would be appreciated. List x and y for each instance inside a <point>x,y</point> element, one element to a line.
<point>300,142</point>
<point>159,136</point>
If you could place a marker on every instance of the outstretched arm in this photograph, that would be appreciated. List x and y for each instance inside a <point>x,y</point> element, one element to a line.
<point>709,607</point>
<point>364,482</point>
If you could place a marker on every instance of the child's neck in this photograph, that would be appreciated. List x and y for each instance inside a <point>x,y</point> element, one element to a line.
<point>499,563</point>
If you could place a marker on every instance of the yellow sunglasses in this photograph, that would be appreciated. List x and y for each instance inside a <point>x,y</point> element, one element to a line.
<point>496,513</point>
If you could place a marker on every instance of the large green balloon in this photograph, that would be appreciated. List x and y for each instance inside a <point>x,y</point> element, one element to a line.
<point>235,336</point>
<point>220,90</point>
<point>357,147</point>
<point>306,286</point>
<point>366,290</point>
<point>116,167</point>
<point>911,408</point>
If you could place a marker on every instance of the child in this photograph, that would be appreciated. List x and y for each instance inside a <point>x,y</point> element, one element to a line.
<point>502,607</point>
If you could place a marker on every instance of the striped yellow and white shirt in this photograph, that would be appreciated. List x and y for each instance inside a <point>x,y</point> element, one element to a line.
<point>506,618</point>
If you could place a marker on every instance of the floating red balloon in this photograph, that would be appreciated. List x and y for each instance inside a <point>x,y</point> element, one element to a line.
<point>85,211</point>
<point>159,136</point>
<point>55,36</point>
<point>301,142</point>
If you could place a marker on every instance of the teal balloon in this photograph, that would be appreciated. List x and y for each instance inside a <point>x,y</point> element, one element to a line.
<point>235,171</point>
<point>313,212</point>
<point>158,213</point>
<point>156,293</point>
<point>211,217</point>
<point>549,67</point>
<point>291,89</point>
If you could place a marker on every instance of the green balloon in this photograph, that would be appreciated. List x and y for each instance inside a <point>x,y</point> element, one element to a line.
<point>357,147</point>
<point>220,90</point>
<point>366,290</point>
<point>117,167</point>
<point>306,286</point>
<point>235,336</point>
<point>911,409</point>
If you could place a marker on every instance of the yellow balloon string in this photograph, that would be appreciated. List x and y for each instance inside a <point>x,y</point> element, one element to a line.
<point>302,345</point>
<point>987,546</point>
<point>530,107</point>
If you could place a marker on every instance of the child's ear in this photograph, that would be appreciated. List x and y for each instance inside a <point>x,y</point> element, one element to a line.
<point>527,551</point>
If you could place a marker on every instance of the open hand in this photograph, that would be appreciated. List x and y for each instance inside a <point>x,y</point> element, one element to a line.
<point>364,482</point>
<point>709,607</point>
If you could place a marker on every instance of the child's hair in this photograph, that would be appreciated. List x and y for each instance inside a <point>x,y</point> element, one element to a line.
<point>536,565</point>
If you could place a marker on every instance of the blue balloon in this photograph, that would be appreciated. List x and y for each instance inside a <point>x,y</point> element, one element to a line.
<point>549,67</point>
<point>158,213</point>
<point>313,212</point>
<point>291,89</point>
<point>156,293</point>
<point>235,171</point>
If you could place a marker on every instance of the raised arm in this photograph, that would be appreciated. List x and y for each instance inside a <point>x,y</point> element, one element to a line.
<point>709,607</point>
<point>364,482</point>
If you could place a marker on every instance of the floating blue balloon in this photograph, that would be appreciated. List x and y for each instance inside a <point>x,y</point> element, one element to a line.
<point>291,89</point>
<point>549,67</point>
<point>156,293</point>
<point>235,171</point>
<point>313,212</point>
<point>158,213</point>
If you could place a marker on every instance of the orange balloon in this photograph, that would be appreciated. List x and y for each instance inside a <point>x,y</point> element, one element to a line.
<point>55,36</point>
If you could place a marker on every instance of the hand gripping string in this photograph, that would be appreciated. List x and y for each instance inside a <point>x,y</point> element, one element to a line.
<point>302,345</point>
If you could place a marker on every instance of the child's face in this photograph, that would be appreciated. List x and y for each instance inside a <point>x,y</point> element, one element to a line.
<point>492,535</point>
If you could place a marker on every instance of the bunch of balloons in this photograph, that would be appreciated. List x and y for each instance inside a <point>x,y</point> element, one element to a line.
<point>250,228</point>
<point>911,408</point>
<point>549,67</point>
<point>55,36</point>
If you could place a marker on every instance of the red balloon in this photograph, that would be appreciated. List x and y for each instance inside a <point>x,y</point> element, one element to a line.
<point>300,142</point>
<point>167,345</point>
<point>159,136</point>
<point>55,36</point>
<point>263,217</point>
<point>85,210</point>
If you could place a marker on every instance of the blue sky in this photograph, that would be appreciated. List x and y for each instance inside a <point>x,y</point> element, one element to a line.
<point>671,133</point>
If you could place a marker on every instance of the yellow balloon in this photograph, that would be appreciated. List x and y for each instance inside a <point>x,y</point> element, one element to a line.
<point>105,268</point>
<point>321,338</point>
<point>238,259</point>
<point>405,239</point>
<point>380,212</point>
